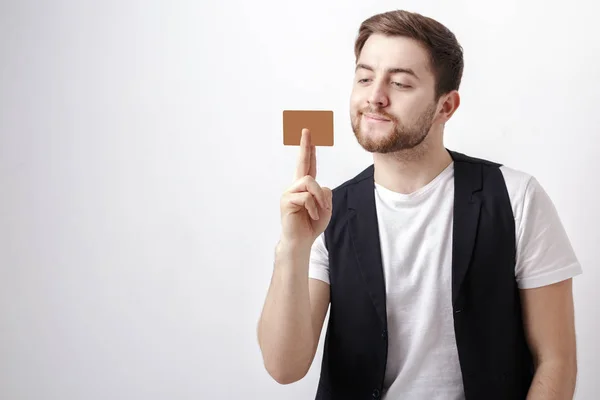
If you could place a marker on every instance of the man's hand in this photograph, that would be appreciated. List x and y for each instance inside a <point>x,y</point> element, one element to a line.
<point>305,205</point>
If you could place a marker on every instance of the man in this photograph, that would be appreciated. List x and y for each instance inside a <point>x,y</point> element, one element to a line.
<point>448,277</point>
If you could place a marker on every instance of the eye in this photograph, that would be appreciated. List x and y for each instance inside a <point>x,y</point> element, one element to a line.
<point>363,80</point>
<point>400,85</point>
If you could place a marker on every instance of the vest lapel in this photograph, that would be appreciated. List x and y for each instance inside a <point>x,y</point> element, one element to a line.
<point>364,231</point>
<point>467,205</point>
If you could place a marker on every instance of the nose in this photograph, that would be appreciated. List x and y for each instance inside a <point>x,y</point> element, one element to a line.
<point>378,97</point>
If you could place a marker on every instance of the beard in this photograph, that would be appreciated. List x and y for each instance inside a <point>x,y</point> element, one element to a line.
<point>401,137</point>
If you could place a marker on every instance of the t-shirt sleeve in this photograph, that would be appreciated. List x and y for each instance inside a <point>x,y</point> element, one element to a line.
<point>318,267</point>
<point>544,252</point>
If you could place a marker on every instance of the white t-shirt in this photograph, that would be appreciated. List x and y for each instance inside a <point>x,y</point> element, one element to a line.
<point>416,247</point>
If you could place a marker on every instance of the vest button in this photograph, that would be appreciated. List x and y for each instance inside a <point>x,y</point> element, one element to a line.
<point>384,334</point>
<point>376,393</point>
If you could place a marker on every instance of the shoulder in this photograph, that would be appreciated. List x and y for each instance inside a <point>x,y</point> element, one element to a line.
<point>359,182</point>
<point>517,181</point>
<point>366,173</point>
<point>518,185</point>
<point>344,197</point>
<point>527,194</point>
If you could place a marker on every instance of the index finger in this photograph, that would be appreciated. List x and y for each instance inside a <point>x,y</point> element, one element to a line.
<point>305,157</point>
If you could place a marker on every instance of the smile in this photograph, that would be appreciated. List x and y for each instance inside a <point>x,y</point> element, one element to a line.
<point>375,118</point>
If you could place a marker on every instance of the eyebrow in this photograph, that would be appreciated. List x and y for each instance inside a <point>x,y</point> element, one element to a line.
<point>389,70</point>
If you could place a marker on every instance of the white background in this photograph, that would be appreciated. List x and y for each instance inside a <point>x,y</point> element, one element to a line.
<point>141,165</point>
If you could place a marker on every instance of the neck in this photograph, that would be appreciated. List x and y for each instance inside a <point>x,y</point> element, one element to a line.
<point>407,171</point>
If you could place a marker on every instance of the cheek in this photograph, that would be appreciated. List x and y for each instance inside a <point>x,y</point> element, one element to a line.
<point>354,108</point>
<point>357,96</point>
<point>357,102</point>
<point>409,109</point>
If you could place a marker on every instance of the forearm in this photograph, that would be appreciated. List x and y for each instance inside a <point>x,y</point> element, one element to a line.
<point>554,381</point>
<point>285,330</point>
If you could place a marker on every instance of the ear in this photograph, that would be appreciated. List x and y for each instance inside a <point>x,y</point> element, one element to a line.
<point>447,105</point>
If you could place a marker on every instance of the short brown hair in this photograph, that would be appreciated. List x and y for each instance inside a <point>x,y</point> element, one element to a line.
<point>445,53</point>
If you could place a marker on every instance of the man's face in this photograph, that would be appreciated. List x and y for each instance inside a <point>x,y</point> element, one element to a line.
<point>402,102</point>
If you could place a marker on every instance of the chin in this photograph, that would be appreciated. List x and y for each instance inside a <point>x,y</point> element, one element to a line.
<point>377,134</point>
<point>375,142</point>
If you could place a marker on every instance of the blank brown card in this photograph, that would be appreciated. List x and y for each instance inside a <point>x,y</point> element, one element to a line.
<point>320,124</point>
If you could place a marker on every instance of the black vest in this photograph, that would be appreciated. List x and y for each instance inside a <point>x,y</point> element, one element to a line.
<point>494,357</point>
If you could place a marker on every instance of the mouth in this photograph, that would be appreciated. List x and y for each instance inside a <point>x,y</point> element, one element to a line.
<point>375,118</point>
